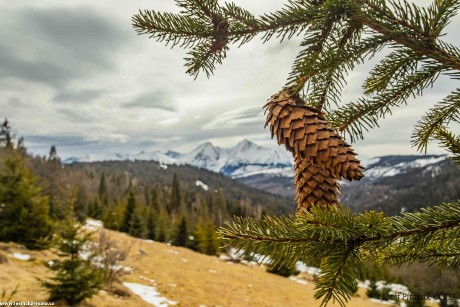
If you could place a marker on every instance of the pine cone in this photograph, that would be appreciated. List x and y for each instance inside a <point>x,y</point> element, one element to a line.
<point>314,185</point>
<point>306,133</point>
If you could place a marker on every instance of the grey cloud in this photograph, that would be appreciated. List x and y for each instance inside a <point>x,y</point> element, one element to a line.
<point>40,71</point>
<point>37,141</point>
<point>154,100</point>
<point>59,45</point>
<point>16,102</point>
<point>76,116</point>
<point>82,95</point>
<point>240,117</point>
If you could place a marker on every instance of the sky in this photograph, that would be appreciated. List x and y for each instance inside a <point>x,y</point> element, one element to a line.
<point>75,74</point>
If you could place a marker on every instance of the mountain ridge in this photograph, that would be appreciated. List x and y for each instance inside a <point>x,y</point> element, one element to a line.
<point>247,159</point>
<point>229,161</point>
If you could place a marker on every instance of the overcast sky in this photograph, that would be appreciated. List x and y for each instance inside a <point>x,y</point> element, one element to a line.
<point>75,74</point>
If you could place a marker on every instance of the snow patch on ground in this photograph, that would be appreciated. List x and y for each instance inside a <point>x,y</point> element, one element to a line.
<point>149,294</point>
<point>301,267</point>
<point>201,184</point>
<point>300,281</point>
<point>92,224</point>
<point>19,256</point>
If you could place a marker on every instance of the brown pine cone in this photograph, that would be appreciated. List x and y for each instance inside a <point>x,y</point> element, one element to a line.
<point>314,185</point>
<point>306,133</point>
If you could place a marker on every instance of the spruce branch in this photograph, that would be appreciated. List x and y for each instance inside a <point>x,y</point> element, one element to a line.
<point>449,141</point>
<point>357,117</point>
<point>409,37</point>
<point>394,67</point>
<point>339,273</point>
<point>441,114</point>
<point>343,239</point>
<point>173,29</point>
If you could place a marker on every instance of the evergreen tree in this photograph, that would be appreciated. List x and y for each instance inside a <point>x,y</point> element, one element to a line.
<point>24,210</point>
<point>175,199</point>
<point>337,36</point>
<point>95,209</point>
<point>137,226</point>
<point>157,198</point>
<point>110,218</point>
<point>6,138</point>
<point>129,212</point>
<point>161,232</point>
<point>20,147</point>
<point>81,204</point>
<point>102,191</point>
<point>181,234</point>
<point>53,154</point>
<point>76,279</point>
<point>151,225</point>
<point>206,236</point>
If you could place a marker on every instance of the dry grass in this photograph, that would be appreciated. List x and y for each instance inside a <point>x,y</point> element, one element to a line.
<point>181,275</point>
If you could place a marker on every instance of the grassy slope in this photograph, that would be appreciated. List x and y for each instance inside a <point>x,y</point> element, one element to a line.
<point>181,275</point>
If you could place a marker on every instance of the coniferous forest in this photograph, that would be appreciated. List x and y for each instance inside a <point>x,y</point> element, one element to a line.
<point>141,198</point>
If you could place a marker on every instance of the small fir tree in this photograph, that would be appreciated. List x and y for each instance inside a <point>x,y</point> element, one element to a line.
<point>206,236</point>
<point>24,210</point>
<point>53,156</point>
<point>181,234</point>
<point>80,207</point>
<point>151,225</point>
<point>6,138</point>
<point>103,191</point>
<point>76,279</point>
<point>95,209</point>
<point>129,212</point>
<point>161,233</point>
<point>110,217</point>
<point>175,199</point>
<point>137,226</point>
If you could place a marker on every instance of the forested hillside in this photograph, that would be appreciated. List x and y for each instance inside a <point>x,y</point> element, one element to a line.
<point>406,192</point>
<point>179,204</point>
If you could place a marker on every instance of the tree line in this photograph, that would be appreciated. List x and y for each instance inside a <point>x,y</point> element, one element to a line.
<point>37,191</point>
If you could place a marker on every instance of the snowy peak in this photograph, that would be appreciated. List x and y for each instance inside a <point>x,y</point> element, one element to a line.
<point>204,156</point>
<point>157,155</point>
<point>230,161</point>
<point>246,145</point>
<point>393,165</point>
<point>247,152</point>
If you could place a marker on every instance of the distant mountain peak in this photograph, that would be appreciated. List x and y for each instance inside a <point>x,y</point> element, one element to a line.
<point>246,145</point>
<point>397,164</point>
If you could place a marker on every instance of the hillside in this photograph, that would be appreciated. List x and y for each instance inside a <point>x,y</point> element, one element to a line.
<point>178,274</point>
<point>149,173</point>
<point>391,184</point>
<point>396,182</point>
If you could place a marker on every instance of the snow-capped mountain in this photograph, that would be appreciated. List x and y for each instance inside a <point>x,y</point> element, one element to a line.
<point>386,166</point>
<point>244,159</point>
<point>252,164</point>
